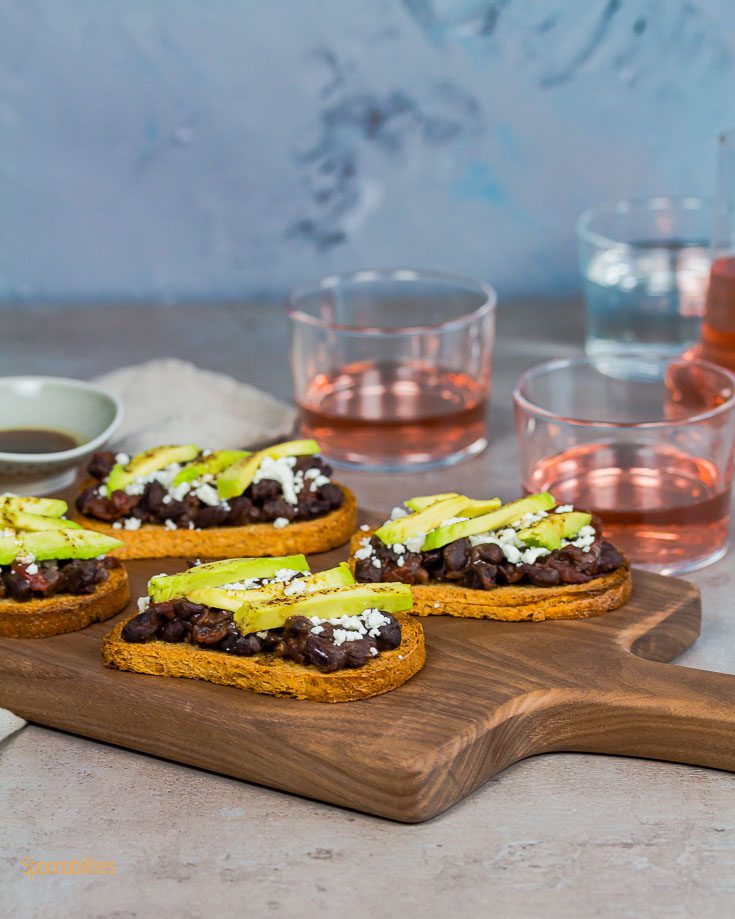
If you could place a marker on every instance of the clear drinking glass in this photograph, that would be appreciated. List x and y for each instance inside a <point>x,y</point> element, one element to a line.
<point>392,368</point>
<point>653,458</point>
<point>645,265</point>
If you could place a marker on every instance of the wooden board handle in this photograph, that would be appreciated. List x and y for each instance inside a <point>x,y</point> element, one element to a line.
<point>656,711</point>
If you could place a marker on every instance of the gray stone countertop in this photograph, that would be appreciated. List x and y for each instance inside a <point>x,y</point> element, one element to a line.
<point>557,836</point>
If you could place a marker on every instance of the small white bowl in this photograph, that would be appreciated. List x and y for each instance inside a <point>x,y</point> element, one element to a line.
<point>89,414</point>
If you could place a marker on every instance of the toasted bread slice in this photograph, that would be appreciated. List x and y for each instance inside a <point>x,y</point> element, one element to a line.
<point>64,612</point>
<point>255,539</point>
<point>515,603</point>
<point>268,674</point>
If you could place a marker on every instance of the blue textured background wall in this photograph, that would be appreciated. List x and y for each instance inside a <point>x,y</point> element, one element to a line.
<point>186,148</point>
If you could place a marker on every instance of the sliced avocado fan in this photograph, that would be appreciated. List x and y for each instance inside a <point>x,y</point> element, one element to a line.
<point>233,600</point>
<point>213,574</point>
<point>495,520</point>
<point>143,464</point>
<point>236,478</point>
<point>212,464</point>
<point>352,600</point>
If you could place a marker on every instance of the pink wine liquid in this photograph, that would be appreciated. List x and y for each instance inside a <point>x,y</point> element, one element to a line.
<point>666,510</point>
<point>718,326</point>
<point>394,415</point>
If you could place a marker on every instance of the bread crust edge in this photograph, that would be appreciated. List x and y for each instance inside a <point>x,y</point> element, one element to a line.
<point>63,613</point>
<point>255,539</point>
<point>267,674</point>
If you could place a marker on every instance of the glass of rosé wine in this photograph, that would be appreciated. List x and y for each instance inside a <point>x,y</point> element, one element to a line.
<point>391,368</point>
<point>652,457</point>
<point>718,327</point>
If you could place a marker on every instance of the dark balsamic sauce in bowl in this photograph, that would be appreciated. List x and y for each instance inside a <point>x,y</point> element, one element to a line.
<point>36,440</point>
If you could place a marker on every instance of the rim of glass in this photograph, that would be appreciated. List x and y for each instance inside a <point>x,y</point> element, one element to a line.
<point>628,205</point>
<point>565,363</point>
<point>294,312</point>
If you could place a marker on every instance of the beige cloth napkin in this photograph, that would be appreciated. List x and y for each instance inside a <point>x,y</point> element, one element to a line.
<point>171,401</point>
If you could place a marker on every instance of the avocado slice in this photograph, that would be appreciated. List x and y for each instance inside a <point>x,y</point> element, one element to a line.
<point>476,508</point>
<point>144,464</point>
<point>236,478</point>
<point>22,520</point>
<point>495,520</point>
<point>423,501</point>
<point>398,531</point>
<point>212,464</point>
<point>165,587</point>
<point>10,547</point>
<point>48,544</point>
<point>257,616</point>
<point>473,507</point>
<point>233,600</point>
<point>45,507</point>
<point>549,532</point>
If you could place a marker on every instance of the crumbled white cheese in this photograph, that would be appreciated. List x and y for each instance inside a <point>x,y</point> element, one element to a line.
<point>208,495</point>
<point>374,620</point>
<point>117,525</point>
<point>528,520</point>
<point>169,524</point>
<point>365,527</point>
<point>377,563</point>
<point>245,584</point>
<point>133,523</point>
<point>122,459</point>
<point>261,634</point>
<point>437,604</point>
<point>529,556</point>
<point>143,604</point>
<point>364,552</point>
<point>280,522</point>
<point>180,491</point>
<point>296,586</point>
<point>584,538</point>
<point>32,568</point>
<point>564,509</point>
<point>285,575</point>
<point>316,478</point>
<point>317,629</point>
<point>450,521</point>
<point>340,636</point>
<point>373,652</point>
<point>415,543</point>
<point>398,512</point>
<point>399,548</point>
<point>280,470</point>
<point>352,628</point>
<point>164,476</point>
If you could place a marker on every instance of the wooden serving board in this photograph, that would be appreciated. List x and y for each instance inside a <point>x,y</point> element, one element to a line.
<point>491,694</point>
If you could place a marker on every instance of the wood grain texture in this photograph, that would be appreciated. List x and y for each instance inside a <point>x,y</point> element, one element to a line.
<point>491,693</point>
